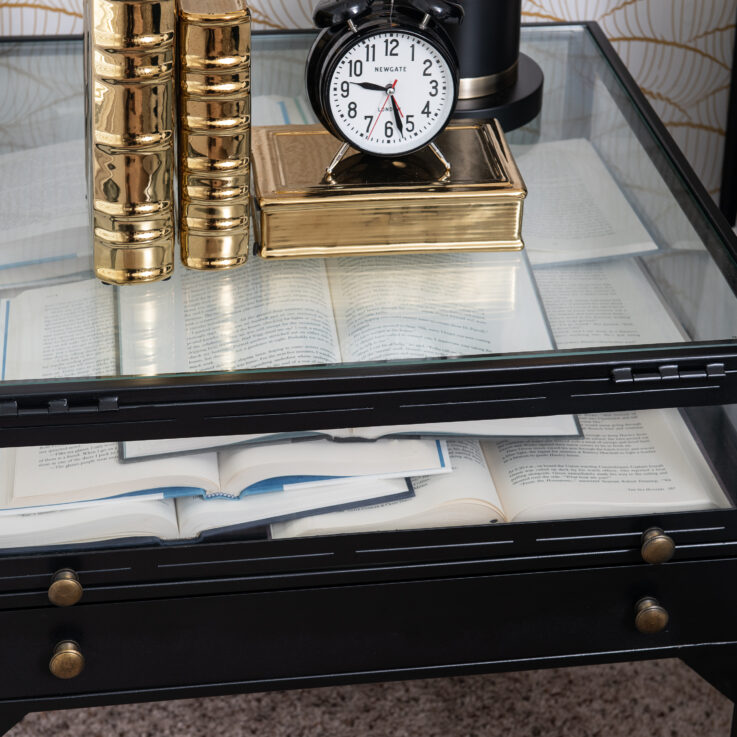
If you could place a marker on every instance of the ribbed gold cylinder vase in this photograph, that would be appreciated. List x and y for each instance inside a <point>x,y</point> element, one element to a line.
<point>214,132</point>
<point>129,78</point>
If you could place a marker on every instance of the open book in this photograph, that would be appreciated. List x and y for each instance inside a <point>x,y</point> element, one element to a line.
<point>70,330</point>
<point>338,311</point>
<point>626,463</point>
<point>58,474</point>
<point>185,517</point>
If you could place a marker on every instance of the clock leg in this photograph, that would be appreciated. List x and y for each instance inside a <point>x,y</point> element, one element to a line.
<point>329,171</point>
<point>442,159</point>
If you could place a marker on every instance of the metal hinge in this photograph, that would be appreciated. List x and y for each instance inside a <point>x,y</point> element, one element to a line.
<point>668,372</point>
<point>57,406</point>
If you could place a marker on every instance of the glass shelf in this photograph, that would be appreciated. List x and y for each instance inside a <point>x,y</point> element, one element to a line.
<point>621,299</point>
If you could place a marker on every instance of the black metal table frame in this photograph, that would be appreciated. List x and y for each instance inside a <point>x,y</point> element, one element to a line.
<point>585,560</point>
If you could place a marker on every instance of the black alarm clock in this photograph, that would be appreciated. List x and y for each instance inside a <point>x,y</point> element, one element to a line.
<point>383,75</point>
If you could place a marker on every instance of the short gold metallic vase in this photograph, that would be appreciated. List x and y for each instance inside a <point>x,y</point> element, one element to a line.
<point>129,80</point>
<point>214,132</point>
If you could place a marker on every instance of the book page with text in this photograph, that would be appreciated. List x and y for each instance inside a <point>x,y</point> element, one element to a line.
<point>465,497</point>
<point>626,462</point>
<point>53,474</point>
<point>89,522</point>
<point>440,305</point>
<point>52,180</point>
<point>604,304</point>
<point>574,209</point>
<point>64,331</point>
<point>260,315</point>
<point>318,462</point>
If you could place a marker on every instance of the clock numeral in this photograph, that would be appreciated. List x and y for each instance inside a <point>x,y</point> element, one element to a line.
<point>345,89</point>
<point>412,50</point>
<point>352,110</point>
<point>388,129</point>
<point>410,123</point>
<point>371,52</point>
<point>390,47</point>
<point>355,68</point>
<point>434,91</point>
<point>426,109</point>
<point>370,119</point>
<point>428,67</point>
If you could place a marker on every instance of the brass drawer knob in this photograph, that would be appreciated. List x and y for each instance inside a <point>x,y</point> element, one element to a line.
<point>65,588</point>
<point>650,617</point>
<point>657,547</point>
<point>67,660</point>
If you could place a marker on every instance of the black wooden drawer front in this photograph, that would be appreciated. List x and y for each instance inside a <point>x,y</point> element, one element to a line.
<point>301,633</point>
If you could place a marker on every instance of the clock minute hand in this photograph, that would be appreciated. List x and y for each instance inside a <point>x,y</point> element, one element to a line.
<point>371,86</point>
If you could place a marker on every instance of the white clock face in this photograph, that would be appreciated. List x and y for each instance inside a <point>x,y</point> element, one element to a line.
<point>391,93</point>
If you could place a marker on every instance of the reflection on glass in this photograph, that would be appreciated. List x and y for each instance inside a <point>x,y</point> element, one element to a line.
<point>617,247</point>
<point>341,310</point>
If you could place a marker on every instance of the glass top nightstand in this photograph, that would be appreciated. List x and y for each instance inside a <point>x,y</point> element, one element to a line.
<point>622,297</point>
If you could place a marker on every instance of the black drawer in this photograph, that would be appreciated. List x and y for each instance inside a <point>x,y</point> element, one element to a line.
<point>358,629</point>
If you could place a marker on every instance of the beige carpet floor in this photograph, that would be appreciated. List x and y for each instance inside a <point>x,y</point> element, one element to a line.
<point>652,699</point>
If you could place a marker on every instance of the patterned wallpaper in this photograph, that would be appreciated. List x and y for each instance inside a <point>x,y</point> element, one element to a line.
<point>680,52</point>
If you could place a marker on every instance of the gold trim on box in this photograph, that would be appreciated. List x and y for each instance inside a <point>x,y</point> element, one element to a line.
<point>214,132</point>
<point>380,206</point>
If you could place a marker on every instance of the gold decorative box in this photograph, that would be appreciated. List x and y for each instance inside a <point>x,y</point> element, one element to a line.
<point>377,206</point>
<point>130,127</point>
<point>214,126</point>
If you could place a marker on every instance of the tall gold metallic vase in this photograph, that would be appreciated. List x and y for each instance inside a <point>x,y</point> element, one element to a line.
<point>129,78</point>
<point>214,132</point>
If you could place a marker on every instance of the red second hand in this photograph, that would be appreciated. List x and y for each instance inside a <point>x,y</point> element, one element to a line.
<point>378,116</point>
<point>382,110</point>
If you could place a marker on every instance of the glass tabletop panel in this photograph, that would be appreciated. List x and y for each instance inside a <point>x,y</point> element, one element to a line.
<point>618,250</point>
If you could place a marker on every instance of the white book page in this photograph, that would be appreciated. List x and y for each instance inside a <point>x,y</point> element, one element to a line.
<point>198,514</point>
<point>631,461</point>
<point>451,304</point>
<point>52,474</point>
<point>553,425</point>
<point>49,188</point>
<point>574,209</point>
<point>89,522</point>
<point>626,463</point>
<point>314,462</point>
<point>261,315</point>
<point>62,331</point>
<point>603,304</point>
<point>466,496</point>
<point>69,331</point>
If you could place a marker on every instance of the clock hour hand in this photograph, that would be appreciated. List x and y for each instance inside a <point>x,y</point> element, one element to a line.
<point>397,117</point>
<point>371,86</point>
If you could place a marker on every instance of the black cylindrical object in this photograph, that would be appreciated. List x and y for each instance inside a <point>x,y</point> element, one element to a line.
<point>487,44</point>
